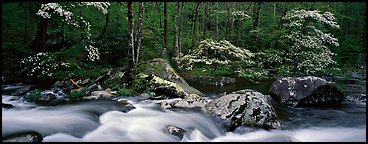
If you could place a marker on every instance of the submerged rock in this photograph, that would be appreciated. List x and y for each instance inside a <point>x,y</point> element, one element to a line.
<point>24,137</point>
<point>5,105</point>
<point>305,91</point>
<point>244,107</point>
<point>176,131</point>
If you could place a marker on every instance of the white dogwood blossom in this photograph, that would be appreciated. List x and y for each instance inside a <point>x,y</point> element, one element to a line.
<point>310,43</point>
<point>70,19</point>
<point>211,52</point>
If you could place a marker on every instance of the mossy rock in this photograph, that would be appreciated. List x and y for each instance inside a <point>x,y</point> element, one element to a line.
<point>160,68</point>
<point>164,80</point>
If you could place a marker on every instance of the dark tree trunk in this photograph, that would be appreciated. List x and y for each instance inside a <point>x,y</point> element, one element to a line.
<point>130,32</point>
<point>194,39</point>
<point>227,20</point>
<point>217,21</point>
<point>176,33</point>
<point>256,23</point>
<point>181,26</point>
<point>232,16</point>
<point>165,25</point>
<point>140,23</point>
<point>205,21</point>
<point>105,27</point>
<point>38,44</point>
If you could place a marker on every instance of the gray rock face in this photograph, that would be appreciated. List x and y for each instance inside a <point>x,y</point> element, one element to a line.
<point>24,137</point>
<point>245,107</point>
<point>191,101</point>
<point>305,91</point>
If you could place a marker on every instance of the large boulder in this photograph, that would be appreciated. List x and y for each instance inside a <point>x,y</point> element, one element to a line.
<point>163,79</point>
<point>191,101</point>
<point>305,91</point>
<point>244,107</point>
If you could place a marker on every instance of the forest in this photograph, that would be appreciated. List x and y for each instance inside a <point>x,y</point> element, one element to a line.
<point>269,57</point>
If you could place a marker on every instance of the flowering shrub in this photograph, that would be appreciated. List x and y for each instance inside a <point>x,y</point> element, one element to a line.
<point>241,15</point>
<point>252,73</point>
<point>41,65</point>
<point>211,52</point>
<point>270,58</point>
<point>309,48</point>
<point>67,15</point>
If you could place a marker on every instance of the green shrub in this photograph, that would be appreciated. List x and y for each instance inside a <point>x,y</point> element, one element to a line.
<point>253,74</point>
<point>125,92</point>
<point>76,95</point>
<point>34,96</point>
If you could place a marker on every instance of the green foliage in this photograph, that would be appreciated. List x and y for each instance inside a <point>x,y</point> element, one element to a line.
<point>253,74</point>
<point>270,58</point>
<point>284,70</point>
<point>125,92</point>
<point>140,84</point>
<point>34,96</point>
<point>76,95</point>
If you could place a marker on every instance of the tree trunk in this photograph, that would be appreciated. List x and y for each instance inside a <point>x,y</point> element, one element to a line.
<point>176,33</point>
<point>217,21</point>
<point>130,32</point>
<point>195,32</point>
<point>205,21</point>
<point>158,9</point>
<point>239,25</point>
<point>227,20</point>
<point>41,36</point>
<point>165,25</point>
<point>256,22</point>
<point>24,6</point>
<point>181,26</point>
<point>232,16</point>
<point>140,24</point>
<point>105,27</point>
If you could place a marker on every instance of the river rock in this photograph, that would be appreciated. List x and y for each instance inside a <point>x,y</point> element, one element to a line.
<point>51,97</point>
<point>24,137</point>
<point>165,105</point>
<point>5,105</point>
<point>176,131</point>
<point>21,91</point>
<point>164,80</point>
<point>58,84</point>
<point>85,81</point>
<point>244,107</point>
<point>191,101</point>
<point>305,91</point>
<point>103,94</point>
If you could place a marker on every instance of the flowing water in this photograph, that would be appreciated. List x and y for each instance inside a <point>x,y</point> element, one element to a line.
<point>102,121</point>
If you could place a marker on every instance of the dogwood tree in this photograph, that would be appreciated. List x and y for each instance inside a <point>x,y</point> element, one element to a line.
<point>310,40</point>
<point>213,53</point>
<point>49,10</point>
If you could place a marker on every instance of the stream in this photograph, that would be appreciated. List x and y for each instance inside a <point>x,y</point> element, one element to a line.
<point>110,121</point>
